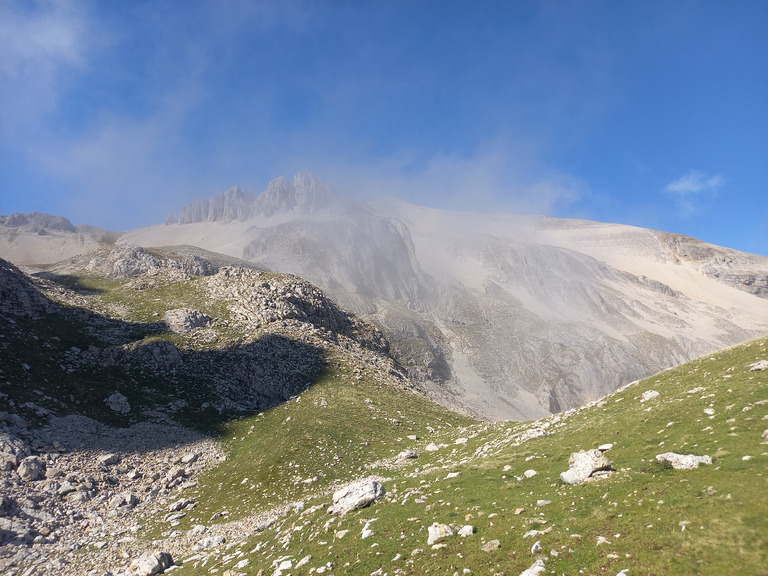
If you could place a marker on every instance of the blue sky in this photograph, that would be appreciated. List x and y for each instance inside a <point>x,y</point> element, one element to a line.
<point>650,113</point>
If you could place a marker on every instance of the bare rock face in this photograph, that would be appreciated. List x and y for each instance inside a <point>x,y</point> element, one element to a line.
<point>357,495</point>
<point>683,461</point>
<point>584,464</point>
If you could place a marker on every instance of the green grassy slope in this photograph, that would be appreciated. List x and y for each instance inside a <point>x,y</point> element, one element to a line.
<point>654,520</point>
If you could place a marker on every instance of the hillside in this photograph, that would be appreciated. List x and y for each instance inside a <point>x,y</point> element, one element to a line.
<point>133,425</point>
<point>497,315</point>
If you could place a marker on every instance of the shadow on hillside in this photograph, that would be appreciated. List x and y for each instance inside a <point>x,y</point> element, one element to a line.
<point>73,282</point>
<point>70,361</point>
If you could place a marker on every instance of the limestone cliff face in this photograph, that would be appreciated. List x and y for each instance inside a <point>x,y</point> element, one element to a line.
<point>232,204</point>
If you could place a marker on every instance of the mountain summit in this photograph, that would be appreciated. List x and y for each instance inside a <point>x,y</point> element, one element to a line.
<point>306,195</point>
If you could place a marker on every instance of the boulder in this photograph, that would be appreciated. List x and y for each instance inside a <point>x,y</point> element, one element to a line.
<point>583,464</point>
<point>31,468</point>
<point>357,495</point>
<point>151,564</point>
<point>407,455</point>
<point>467,530</point>
<point>491,546</point>
<point>683,461</point>
<point>538,567</point>
<point>118,403</point>
<point>438,532</point>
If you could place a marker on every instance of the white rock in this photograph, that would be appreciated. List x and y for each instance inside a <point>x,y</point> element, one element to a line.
<point>683,461</point>
<point>530,473</point>
<point>538,567</point>
<point>467,530</point>
<point>757,366</point>
<point>151,564</point>
<point>109,459</point>
<point>31,468</point>
<point>437,532</point>
<point>583,464</point>
<point>407,455</point>
<point>431,447</point>
<point>649,395</point>
<point>357,495</point>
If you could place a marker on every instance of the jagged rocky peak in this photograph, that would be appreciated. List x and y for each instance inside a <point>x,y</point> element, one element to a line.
<point>232,204</point>
<point>306,195</point>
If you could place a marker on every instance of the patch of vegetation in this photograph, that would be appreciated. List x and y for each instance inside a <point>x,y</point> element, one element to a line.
<point>646,518</point>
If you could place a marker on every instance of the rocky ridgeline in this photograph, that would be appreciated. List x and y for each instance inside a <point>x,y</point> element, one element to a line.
<point>130,261</point>
<point>306,195</point>
<point>75,483</point>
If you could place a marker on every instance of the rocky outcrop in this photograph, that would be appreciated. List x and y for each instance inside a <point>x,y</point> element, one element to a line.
<point>38,222</point>
<point>306,195</point>
<point>185,320</point>
<point>232,204</point>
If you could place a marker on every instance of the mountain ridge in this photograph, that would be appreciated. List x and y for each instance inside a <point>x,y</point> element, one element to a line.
<point>502,315</point>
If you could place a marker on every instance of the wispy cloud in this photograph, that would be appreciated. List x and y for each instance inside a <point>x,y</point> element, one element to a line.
<point>691,191</point>
<point>41,46</point>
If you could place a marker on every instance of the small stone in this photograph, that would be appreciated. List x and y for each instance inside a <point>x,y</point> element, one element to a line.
<point>530,473</point>
<point>189,458</point>
<point>467,530</point>
<point>407,455</point>
<point>109,459</point>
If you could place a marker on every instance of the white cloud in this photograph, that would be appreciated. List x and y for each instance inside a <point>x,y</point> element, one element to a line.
<point>499,177</point>
<point>691,191</point>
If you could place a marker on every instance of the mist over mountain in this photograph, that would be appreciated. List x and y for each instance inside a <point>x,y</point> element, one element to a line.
<point>503,316</point>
